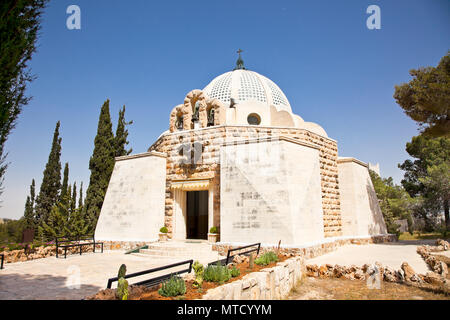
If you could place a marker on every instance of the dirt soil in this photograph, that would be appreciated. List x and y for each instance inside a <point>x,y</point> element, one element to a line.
<point>192,293</point>
<point>343,289</point>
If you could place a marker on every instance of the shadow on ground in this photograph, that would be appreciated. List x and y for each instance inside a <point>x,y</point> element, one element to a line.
<point>24,287</point>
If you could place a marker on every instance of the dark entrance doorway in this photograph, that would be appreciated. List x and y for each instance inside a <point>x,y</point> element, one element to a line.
<point>197,214</point>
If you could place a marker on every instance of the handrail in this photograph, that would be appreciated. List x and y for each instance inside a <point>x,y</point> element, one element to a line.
<point>156,279</point>
<point>227,259</point>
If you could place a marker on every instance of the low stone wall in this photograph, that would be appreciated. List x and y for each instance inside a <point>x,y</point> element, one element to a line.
<point>123,245</point>
<point>308,252</point>
<point>41,252</point>
<point>267,284</point>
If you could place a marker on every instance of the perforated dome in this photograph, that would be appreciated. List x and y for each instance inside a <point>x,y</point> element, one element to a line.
<point>244,85</point>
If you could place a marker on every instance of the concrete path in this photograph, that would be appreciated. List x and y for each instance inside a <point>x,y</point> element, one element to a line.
<point>389,254</point>
<point>52,278</point>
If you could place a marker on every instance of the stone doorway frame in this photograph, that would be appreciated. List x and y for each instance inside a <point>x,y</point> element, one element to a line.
<point>179,190</point>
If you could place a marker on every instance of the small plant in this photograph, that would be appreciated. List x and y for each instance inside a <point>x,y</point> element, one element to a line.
<point>198,269</point>
<point>217,273</point>
<point>163,230</point>
<point>213,230</point>
<point>251,260</point>
<point>266,258</point>
<point>173,287</point>
<point>122,286</point>
<point>235,272</point>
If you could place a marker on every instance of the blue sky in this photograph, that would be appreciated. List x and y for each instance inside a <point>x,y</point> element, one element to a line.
<point>149,54</point>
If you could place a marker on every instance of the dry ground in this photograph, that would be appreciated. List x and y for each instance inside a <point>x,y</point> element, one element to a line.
<point>342,289</point>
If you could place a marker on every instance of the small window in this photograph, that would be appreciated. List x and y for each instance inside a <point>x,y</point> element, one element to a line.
<point>253,119</point>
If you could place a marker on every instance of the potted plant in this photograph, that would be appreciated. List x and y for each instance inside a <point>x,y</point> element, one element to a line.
<point>213,235</point>
<point>163,234</point>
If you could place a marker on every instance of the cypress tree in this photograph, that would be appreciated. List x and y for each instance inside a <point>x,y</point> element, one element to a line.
<point>51,181</point>
<point>65,183</point>
<point>101,165</point>
<point>120,139</point>
<point>29,207</point>
<point>80,199</point>
<point>73,202</point>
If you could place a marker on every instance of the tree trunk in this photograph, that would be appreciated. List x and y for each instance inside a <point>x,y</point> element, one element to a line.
<point>446,214</point>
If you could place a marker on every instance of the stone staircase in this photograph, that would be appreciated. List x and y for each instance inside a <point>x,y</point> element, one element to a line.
<point>174,251</point>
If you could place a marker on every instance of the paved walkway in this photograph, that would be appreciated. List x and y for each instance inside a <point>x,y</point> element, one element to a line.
<point>52,278</point>
<point>389,254</point>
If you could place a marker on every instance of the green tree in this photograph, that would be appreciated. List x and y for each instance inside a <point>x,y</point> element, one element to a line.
<point>19,25</point>
<point>73,202</point>
<point>101,165</point>
<point>427,176</point>
<point>29,207</point>
<point>120,140</point>
<point>57,222</point>
<point>65,182</point>
<point>426,98</point>
<point>51,182</point>
<point>80,199</point>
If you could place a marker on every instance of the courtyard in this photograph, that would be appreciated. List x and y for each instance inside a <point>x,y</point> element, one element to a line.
<point>52,278</point>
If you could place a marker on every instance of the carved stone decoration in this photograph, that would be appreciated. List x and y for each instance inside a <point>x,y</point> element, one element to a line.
<point>189,102</point>
<point>175,116</point>
<point>219,111</point>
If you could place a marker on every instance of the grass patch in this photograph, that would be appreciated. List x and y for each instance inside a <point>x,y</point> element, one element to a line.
<point>421,236</point>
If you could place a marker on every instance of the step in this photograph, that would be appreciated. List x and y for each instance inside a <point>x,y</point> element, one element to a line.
<point>170,252</point>
<point>173,259</point>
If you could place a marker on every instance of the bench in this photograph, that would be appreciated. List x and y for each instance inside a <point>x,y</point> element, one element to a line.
<point>3,258</point>
<point>62,242</point>
<point>230,257</point>
<point>156,280</point>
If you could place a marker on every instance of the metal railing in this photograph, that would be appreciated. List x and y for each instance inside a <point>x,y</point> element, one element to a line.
<point>155,280</point>
<point>59,242</point>
<point>229,256</point>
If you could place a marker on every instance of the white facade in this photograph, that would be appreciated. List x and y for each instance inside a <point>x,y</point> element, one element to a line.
<point>360,211</point>
<point>267,196</point>
<point>133,209</point>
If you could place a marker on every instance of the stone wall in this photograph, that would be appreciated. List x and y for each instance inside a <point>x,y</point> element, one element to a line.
<point>267,284</point>
<point>208,166</point>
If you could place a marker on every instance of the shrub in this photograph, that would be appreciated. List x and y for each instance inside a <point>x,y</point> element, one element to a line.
<point>173,287</point>
<point>163,230</point>
<point>198,269</point>
<point>217,273</point>
<point>213,230</point>
<point>122,286</point>
<point>266,258</point>
<point>235,272</point>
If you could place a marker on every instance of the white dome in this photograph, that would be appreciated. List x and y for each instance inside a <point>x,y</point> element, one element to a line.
<point>243,85</point>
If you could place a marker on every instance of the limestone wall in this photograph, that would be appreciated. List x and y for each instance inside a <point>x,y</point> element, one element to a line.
<point>208,166</point>
<point>267,284</point>
<point>270,190</point>
<point>133,209</point>
<point>360,211</point>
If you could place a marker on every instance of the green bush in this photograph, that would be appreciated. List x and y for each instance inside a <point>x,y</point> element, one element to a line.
<point>266,258</point>
<point>213,230</point>
<point>235,272</point>
<point>173,287</point>
<point>163,230</point>
<point>217,273</point>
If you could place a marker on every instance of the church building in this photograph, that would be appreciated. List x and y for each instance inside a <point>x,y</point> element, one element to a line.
<point>237,158</point>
